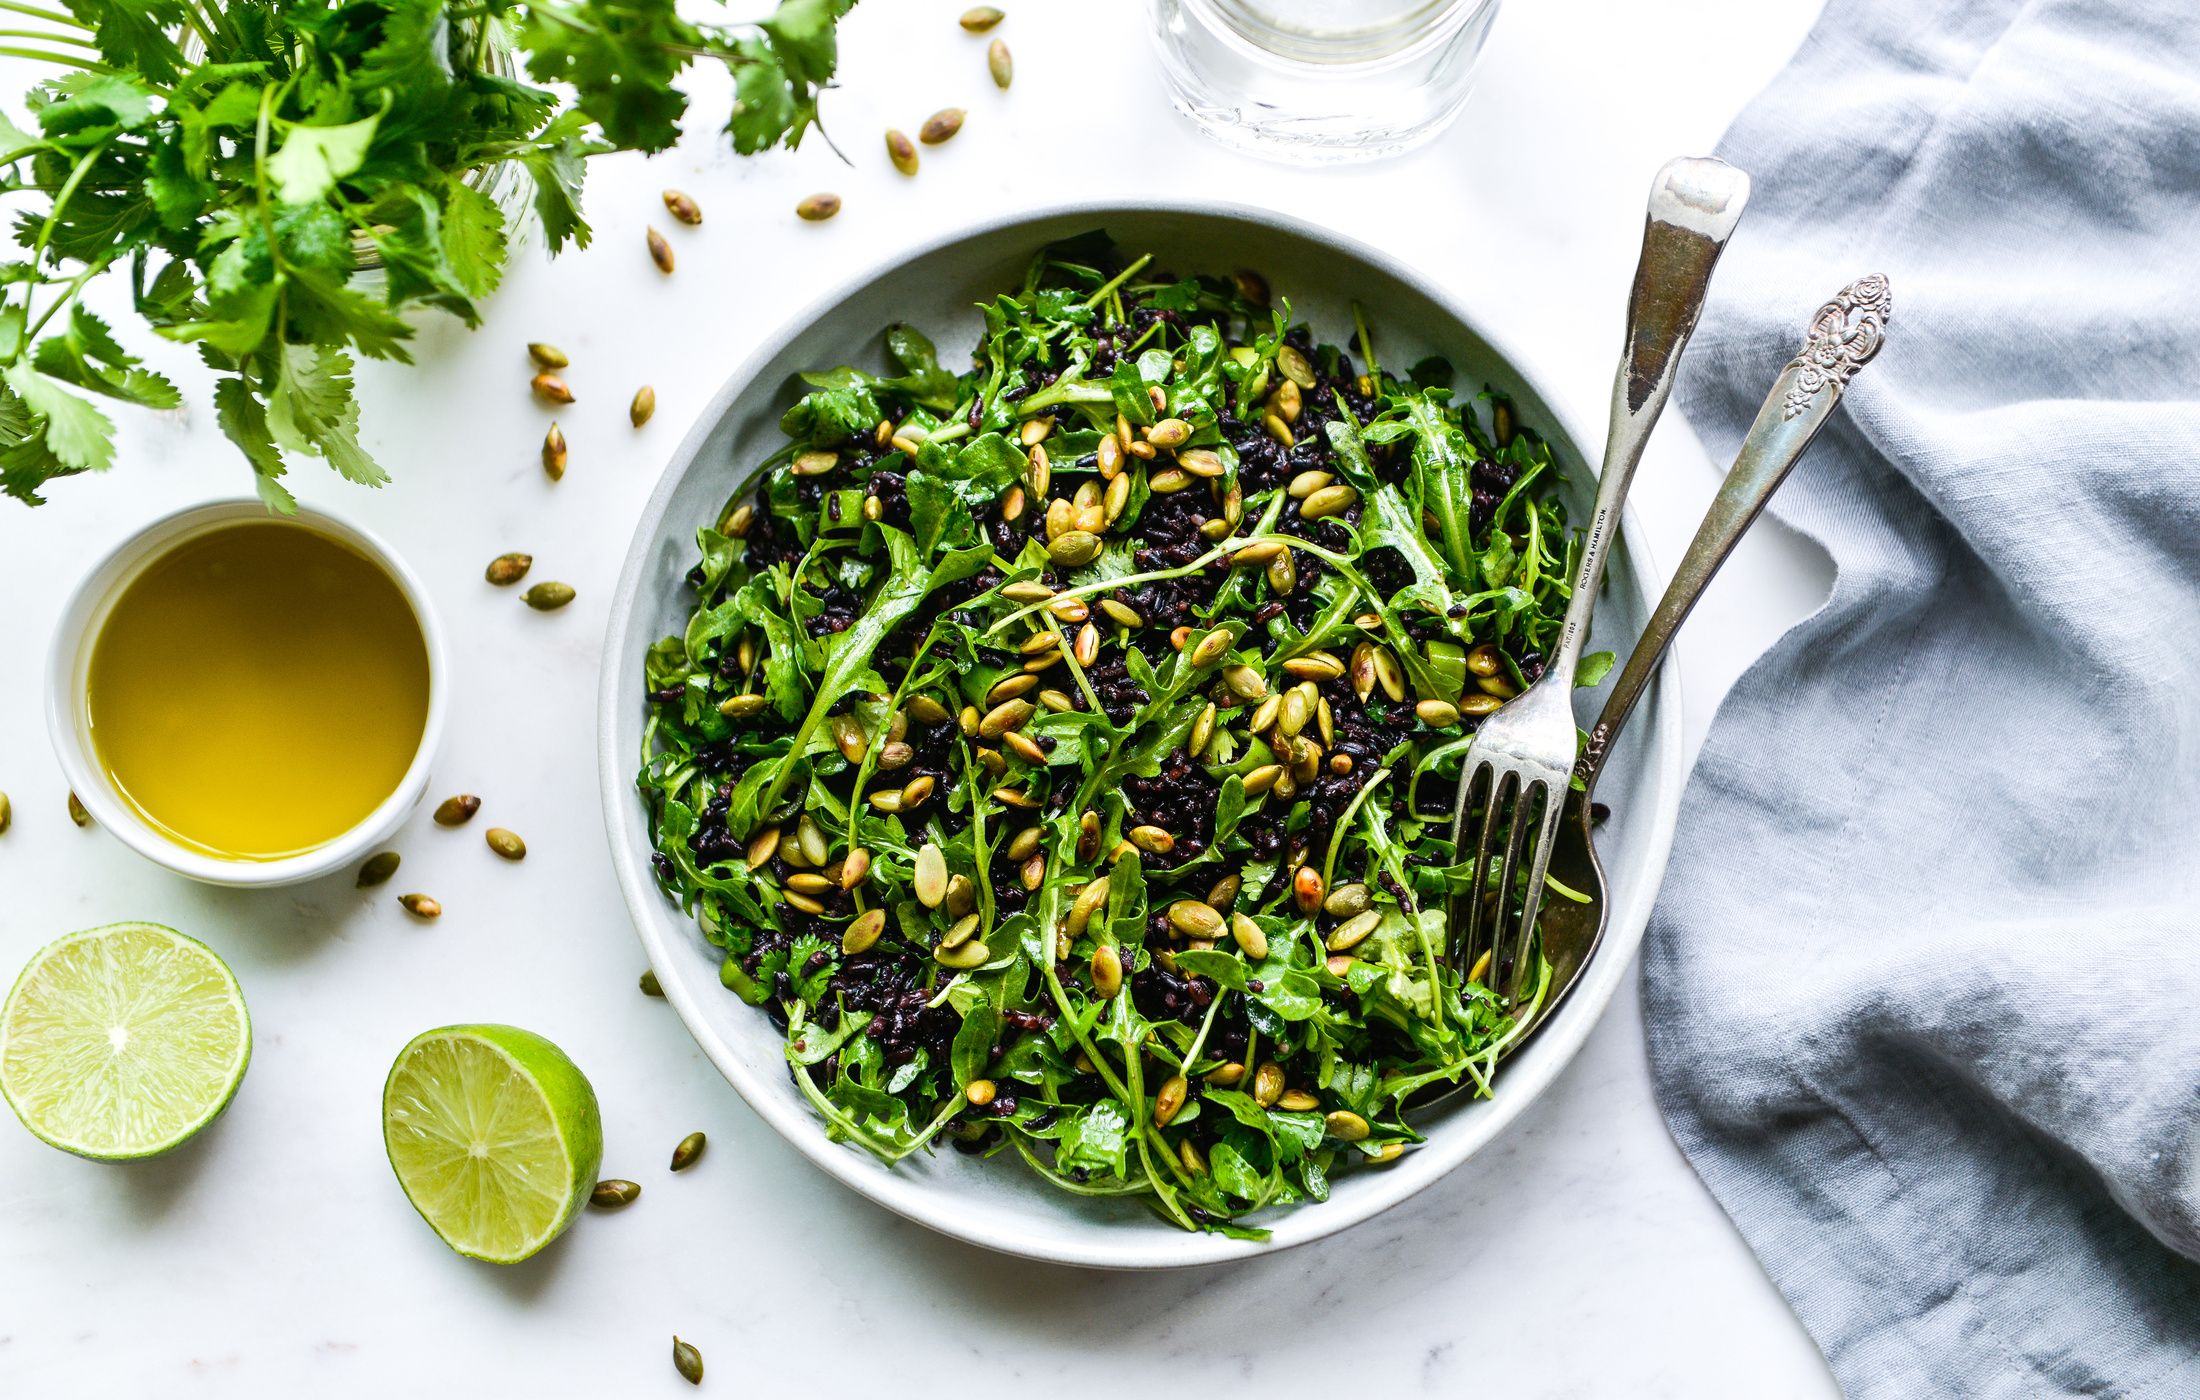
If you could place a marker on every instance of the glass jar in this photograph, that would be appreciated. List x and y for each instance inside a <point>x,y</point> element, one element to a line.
<point>1321,81</point>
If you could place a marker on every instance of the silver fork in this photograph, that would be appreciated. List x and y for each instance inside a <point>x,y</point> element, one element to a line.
<point>1522,757</point>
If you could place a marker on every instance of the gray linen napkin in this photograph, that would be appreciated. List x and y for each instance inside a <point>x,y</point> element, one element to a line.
<point>1923,987</point>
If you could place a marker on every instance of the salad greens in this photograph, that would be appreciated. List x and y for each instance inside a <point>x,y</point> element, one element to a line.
<point>240,160</point>
<point>1061,752</point>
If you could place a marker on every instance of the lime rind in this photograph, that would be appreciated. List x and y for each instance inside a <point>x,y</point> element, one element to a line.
<point>495,1137</point>
<point>121,1042</point>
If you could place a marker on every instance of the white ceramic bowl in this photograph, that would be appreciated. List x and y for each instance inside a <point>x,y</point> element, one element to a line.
<point>70,658</point>
<point>997,1203</point>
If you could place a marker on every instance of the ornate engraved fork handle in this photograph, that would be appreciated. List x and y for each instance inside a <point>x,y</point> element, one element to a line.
<point>1841,339</point>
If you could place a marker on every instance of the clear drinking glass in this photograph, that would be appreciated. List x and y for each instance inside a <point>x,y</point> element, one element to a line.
<point>1321,81</point>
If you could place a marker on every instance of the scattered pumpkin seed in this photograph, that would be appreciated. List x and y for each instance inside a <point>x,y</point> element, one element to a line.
<point>420,906</point>
<point>901,151</point>
<point>644,406</point>
<point>551,387</point>
<point>1345,901</point>
<point>1306,889</point>
<point>810,839</point>
<point>1194,919</point>
<point>508,569</point>
<point>1000,64</point>
<point>980,19</point>
<point>548,597</point>
<point>1203,729</point>
<point>1295,366</point>
<point>506,843</point>
<point>941,125</point>
<point>1075,549</point>
<point>614,1194</point>
<point>660,252</point>
<point>1268,1084</point>
<point>1169,433</point>
<point>687,1361</point>
<point>378,869</point>
<point>1008,715</point>
<point>1261,779</point>
<point>553,453</point>
<point>1437,714</point>
<point>741,706</point>
<point>1485,660</point>
<point>689,1149</point>
<point>1212,647</point>
<point>1152,840</point>
<point>683,207</point>
<point>546,356</point>
<point>1330,500</point>
<point>818,207</point>
<point>1346,1126</point>
<point>1121,614</point>
<point>457,811</point>
<point>651,987</point>
<point>1297,1101</point>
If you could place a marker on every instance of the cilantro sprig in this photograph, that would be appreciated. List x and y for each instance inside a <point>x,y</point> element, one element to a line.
<point>238,163</point>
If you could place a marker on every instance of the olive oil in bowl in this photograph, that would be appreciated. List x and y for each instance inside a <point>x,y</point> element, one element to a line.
<point>257,690</point>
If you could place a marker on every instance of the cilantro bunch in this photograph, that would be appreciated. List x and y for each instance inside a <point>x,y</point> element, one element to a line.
<point>1061,753</point>
<point>238,161</point>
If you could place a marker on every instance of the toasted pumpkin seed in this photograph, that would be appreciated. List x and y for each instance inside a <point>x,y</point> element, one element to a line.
<point>960,932</point>
<point>980,19</point>
<point>1261,779</point>
<point>420,906</point>
<point>1285,401</point>
<point>1278,429</point>
<point>1250,939</point>
<point>1353,931</point>
<point>1201,462</point>
<point>941,125</point>
<point>1297,1101</point>
<point>1212,647</point>
<point>1389,674</point>
<point>644,406</point>
<point>553,453</point>
<point>810,837</point>
<point>1479,704</point>
<point>962,959</point>
<point>1170,1100</point>
<point>1225,1075</point>
<point>1108,457</point>
<point>1169,433</point>
<point>551,387</point>
<point>1498,686</point>
<point>1152,840</point>
<point>1087,648</point>
<point>660,252</point>
<point>855,869</point>
<point>506,843</point>
<point>1121,614</point>
<point>901,151</point>
<point>507,569</point>
<point>377,870</point>
<point>688,1151</point>
<point>927,711</point>
<point>1306,483</point>
<point>818,207</point>
<point>1346,900</point>
<point>1203,729</point>
<point>1330,500</point>
<point>809,882</point>
<point>1268,1084</point>
<point>1075,549</point>
<point>613,1194</point>
<point>547,356</point>
<point>1437,714</point>
<point>762,847</point>
<point>1026,748</point>
<point>741,706</point>
<point>861,935</point>
<point>931,876</point>
<point>548,597</point>
<point>1000,64</point>
<point>913,796</point>
<point>736,523</point>
<point>452,811</point>
<point>848,737</point>
<point>1107,970</point>
<point>1306,889</point>
<point>1346,1126</point>
<point>1008,715</point>
<point>687,1361</point>
<point>683,207</point>
<point>962,896</point>
<point>895,754</point>
<point>1295,366</point>
<point>795,899</point>
<point>1485,660</point>
<point>1292,715</point>
<point>1194,919</point>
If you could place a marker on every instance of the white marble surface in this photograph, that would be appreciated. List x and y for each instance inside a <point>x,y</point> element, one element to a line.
<point>275,1254</point>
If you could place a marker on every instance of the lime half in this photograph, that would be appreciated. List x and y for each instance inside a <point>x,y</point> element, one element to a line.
<point>120,1042</point>
<point>495,1136</point>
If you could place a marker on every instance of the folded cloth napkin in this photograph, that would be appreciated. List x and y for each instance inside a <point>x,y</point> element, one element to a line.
<point>1923,986</point>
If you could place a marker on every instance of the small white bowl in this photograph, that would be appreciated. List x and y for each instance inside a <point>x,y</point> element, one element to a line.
<point>68,663</point>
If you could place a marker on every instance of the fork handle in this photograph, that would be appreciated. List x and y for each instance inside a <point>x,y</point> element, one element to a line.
<point>1842,338</point>
<point>1694,204</point>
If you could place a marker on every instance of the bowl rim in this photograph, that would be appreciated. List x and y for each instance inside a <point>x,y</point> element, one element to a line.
<point>67,656</point>
<point>1563,1034</point>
